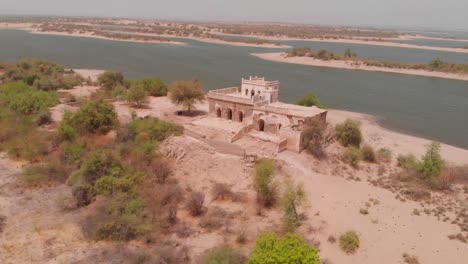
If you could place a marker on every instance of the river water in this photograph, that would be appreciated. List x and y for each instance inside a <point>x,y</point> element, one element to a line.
<point>430,107</point>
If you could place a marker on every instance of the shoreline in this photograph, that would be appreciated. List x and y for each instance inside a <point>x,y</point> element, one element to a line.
<point>32,30</point>
<point>348,65</point>
<point>383,43</point>
<point>209,40</point>
<point>375,133</point>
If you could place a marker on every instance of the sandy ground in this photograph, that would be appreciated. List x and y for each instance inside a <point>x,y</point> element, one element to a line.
<point>92,74</point>
<point>340,64</point>
<point>37,231</point>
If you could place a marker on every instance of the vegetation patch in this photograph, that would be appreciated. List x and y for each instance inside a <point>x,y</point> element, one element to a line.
<point>349,133</point>
<point>290,249</point>
<point>349,242</point>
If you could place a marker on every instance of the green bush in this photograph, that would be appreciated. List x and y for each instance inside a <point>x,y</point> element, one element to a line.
<point>310,99</point>
<point>290,249</point>
<point>136,95</point>
<point>351,156</point>
<point>118,217</point>
<point>96,165</point>
<point>154,87</point>
<point>109,80</point>
<point>50,172</point>
<point>432,162</point>
<point>349,133</point>
<point>25,100</point>
<point>93,117</point>
<point>368,154</point>
<point>349,242</point>
<point>315,140</point>
<point>223,255</point>
<point>264,181</point>
<point>154,128</point>
<point>407,162</point>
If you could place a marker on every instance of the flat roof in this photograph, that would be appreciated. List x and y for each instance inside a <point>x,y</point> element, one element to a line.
<point>297,110</point>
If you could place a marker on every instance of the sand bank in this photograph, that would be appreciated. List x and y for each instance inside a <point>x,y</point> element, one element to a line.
<point>369,41</point>
<point>352,65</point>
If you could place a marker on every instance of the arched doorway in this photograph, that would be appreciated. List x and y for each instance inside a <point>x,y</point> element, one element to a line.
<point>229,113</point>
<point>246,91</point>
<point>218,112</point>
<point>241,116</point>
<point>261,125</point>
<point>252,93</point>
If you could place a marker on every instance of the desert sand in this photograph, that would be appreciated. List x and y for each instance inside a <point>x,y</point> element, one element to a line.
<point>354,65</point>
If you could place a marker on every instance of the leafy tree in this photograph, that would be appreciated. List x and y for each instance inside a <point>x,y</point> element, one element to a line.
<point>154,87</point>
<point>349,133</point>
<point>289,249</point>
<point>110,79</point>
<point>186,93</point>
<point>25,100</point>
<point>437,63</point>
<point>137,95</point>
<point>432,162</point>
<point>310,99</point>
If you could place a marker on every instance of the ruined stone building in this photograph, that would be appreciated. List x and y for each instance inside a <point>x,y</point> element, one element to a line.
<point>256,105</point>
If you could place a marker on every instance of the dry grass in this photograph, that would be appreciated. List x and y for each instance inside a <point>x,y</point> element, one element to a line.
<point>195,203</point>
<point>410,259</point>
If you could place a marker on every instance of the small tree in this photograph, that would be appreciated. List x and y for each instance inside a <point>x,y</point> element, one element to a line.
<point>290,249</point>
<point>310,99</point>
<point>317,137</point>
<point>137,95</point>
<point>110,79</point>
<point>293,197</point>
<point>154,87</point>
<point>432,162</point>
<point>186,93</point>
<point>349,133</point>
<point>264,182</point>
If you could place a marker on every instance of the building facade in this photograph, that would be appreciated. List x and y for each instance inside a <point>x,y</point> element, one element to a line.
<point>256,105</point>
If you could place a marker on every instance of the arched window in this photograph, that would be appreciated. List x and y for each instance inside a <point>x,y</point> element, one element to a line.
<point>229,114</point>
<point>218,112</point>
<point>246,91</point>
<point>252,93</point>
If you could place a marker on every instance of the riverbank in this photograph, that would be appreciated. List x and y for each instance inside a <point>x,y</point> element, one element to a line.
<point>33,30</point>
<point>372,42</point>
<point>354,65</point>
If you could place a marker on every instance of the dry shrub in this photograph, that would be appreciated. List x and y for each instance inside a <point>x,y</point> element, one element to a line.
<point>410,259</point>
<point>317,136</point>
<point>2,223</point>
<point>51,172</point>
<point>66,201</point>
<point>162,203</point>
<point>195,203</point>
<point>160,170</point>
<point>183,230</point>
<point>173,254</point>
<point>222,191</point>
<point>349,242</point>
<point>241,236</point>
<point>384,155</point>
<point>416,194</point>
<point>368,154</point>
<point>213,219</point>
<point>331,239</point>
<point>222,255</point>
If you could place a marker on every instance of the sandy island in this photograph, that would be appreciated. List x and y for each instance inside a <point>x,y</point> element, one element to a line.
<point>354,65</point>
<point>386,41</point>
<point>30,27</point>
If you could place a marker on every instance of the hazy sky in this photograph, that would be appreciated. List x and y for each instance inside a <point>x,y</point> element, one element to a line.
<point>439,14</point>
